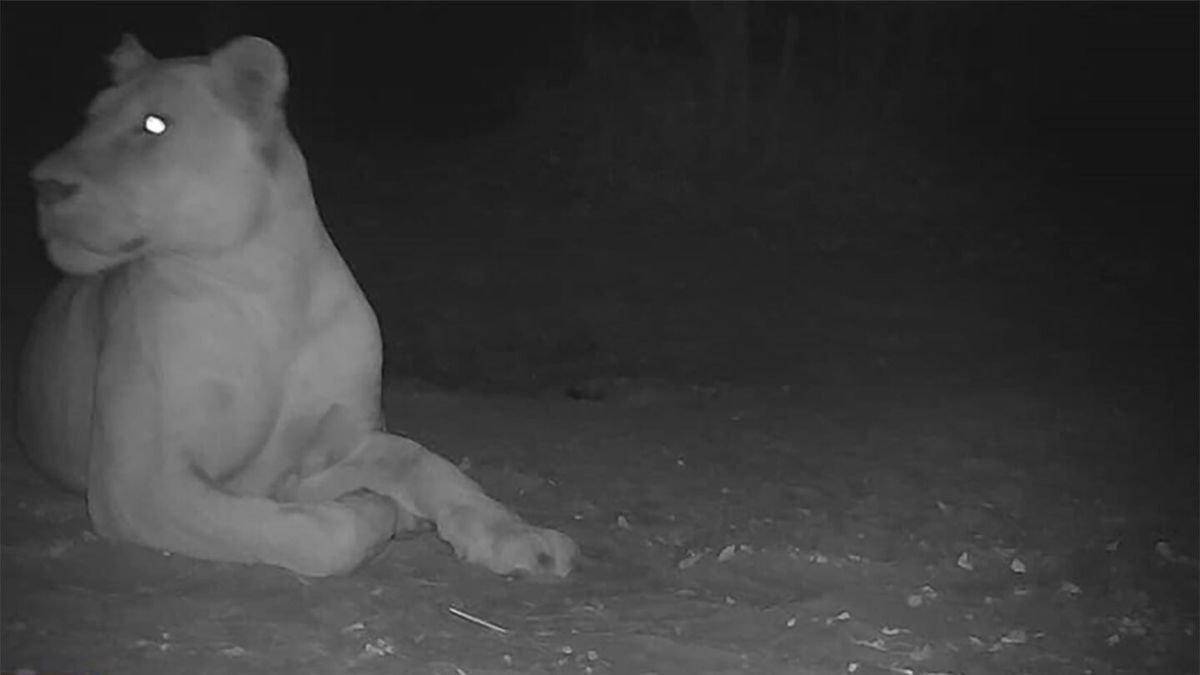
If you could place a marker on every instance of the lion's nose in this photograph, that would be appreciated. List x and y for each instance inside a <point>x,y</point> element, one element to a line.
<point>51,191</point>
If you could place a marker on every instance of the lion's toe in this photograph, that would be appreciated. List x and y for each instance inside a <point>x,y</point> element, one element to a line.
<point>522,548</point>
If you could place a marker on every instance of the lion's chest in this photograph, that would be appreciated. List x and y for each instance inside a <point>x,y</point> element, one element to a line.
<point>209,372</point>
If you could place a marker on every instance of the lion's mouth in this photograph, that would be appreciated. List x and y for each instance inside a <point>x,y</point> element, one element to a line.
<point>124,248</point>
<point>75,255</point>
<point>127,248</point>
<point>73,233</point>
<point>130,246</point>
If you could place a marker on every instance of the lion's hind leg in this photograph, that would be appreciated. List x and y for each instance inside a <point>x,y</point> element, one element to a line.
<point>427,486</point>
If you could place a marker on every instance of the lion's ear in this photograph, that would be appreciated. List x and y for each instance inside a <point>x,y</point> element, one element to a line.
<point>251,75</point>
<point>128,59</point>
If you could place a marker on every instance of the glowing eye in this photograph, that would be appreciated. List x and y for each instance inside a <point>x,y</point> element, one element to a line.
<point>154,125</point>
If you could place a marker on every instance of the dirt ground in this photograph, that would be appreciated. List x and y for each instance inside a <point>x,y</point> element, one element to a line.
<point>776,461</point>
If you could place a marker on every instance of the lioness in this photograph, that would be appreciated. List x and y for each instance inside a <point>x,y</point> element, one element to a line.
<point>209,370</point>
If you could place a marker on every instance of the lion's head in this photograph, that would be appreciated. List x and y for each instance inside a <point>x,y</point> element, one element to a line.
<point>174,158</point>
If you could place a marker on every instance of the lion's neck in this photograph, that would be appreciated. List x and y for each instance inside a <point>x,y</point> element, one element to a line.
<point>271,271</point>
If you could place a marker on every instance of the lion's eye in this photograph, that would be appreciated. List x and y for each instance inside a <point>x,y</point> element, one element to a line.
<point>155,125</point>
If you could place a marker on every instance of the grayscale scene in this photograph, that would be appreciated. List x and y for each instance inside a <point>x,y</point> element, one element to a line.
<point>597,338</point>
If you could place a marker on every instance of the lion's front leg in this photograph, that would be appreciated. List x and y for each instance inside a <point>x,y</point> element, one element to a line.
<point>182,513</point>
<point>480,529</point>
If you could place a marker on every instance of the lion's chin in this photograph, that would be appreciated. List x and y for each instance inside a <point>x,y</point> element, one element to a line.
<point>77,260</point>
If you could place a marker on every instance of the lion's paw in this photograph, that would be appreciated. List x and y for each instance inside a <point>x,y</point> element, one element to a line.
<point>509,545</point>
<point>519,547</point>
<point>375,520</point>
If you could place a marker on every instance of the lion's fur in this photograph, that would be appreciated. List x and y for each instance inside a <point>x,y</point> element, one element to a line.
<point>209,370</point>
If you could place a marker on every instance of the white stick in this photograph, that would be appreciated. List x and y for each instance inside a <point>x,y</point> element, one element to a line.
<point>474,619</point>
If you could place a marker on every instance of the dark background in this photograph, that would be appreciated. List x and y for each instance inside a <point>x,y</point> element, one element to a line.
<point>535,195</point>
<point>1108,90</point>
<point>885,282</point>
